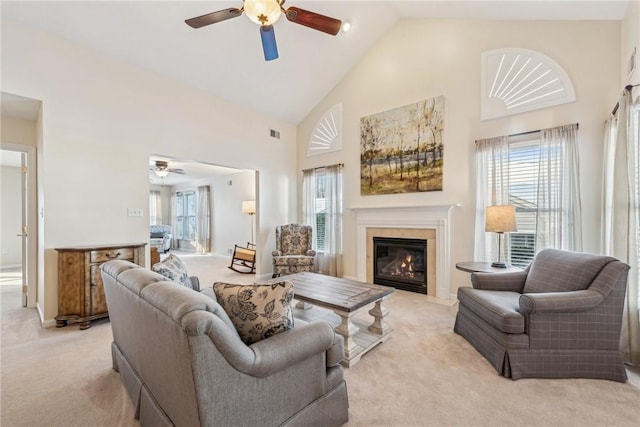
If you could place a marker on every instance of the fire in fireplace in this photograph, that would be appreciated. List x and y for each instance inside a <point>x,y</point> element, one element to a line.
<point>401,263</point>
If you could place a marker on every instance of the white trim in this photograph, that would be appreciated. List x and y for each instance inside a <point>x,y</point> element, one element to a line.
<point>437,217</point>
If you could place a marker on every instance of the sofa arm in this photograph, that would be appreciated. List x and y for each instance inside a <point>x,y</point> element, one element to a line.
<point>311,252</point>
<point>513,282</point>
<point>288,348</point>
<point>195,282</point>
<point>278,352</point>
<point>276,253</point>
<point>560,302</point>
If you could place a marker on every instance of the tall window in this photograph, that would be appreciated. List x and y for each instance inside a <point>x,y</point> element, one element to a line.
<point>538,174</point>
<point>186,215</point>
<point>322,209</point>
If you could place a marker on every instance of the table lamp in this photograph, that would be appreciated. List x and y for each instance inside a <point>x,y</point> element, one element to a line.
<point>500,219</point>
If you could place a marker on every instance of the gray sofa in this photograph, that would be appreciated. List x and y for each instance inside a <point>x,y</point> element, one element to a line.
<point>559,318</point>
<point>183,363</point>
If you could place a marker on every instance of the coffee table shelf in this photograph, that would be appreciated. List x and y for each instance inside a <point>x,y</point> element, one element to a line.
<point>364,339</point>
<point>338,301</point>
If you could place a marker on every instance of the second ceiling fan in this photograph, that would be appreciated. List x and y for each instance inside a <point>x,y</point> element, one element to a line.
<point>265,13</point>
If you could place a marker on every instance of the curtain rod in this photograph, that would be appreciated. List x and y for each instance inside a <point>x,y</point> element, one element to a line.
<point>527,132</point>
<point>627,87</point>
<point>322,167</point>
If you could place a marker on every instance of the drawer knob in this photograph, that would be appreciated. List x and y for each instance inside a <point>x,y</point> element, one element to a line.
<point>112,255</point>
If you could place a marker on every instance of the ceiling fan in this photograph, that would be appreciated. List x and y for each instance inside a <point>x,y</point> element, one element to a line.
<point>162,169</point>
<point>265,13</point>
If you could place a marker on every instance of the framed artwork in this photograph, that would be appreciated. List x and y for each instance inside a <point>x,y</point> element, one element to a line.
<point>401,150</point>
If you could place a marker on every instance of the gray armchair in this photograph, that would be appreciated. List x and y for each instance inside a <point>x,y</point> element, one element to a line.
<point>559,318</point>
<point>293,252</point>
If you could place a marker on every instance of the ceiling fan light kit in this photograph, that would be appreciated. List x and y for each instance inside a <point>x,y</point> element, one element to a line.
<point>266,13</point>
<point>162,169</point>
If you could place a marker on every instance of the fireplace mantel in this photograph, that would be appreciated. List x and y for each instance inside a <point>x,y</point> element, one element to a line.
<point>434,217</point>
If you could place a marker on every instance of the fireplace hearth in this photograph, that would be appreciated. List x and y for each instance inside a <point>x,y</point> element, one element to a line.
<point>400,263</point>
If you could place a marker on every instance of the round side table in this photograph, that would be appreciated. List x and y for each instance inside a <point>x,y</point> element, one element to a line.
<point>484,267</point>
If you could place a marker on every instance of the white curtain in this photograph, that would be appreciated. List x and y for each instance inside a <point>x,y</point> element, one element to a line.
<point>329,260</point>
<point>174,222</point>
<point>155,207</point>
<point>203,221</point>
<point>492,188</point>
<point>309,201</point>
<point>621,211</point>
<point>558,223</point>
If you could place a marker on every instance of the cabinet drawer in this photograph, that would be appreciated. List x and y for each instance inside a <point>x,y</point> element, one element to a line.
<point>104,255</point>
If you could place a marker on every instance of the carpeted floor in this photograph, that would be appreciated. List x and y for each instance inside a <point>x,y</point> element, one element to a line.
<point>425,375</point>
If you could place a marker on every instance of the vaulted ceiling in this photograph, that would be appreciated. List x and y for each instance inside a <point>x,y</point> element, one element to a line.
<point>226,58</point>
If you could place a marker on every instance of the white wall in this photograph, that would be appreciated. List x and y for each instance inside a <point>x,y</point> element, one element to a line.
<point>102,119</point>
<point>420,59</point>
<point>631,40</point>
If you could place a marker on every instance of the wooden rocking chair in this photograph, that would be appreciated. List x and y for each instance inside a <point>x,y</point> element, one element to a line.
<point>244,257</point>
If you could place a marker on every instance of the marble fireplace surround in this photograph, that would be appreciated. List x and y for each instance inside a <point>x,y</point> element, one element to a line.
<point>430,222</point>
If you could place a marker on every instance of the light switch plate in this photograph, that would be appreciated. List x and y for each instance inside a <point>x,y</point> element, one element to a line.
<point>135,211</point>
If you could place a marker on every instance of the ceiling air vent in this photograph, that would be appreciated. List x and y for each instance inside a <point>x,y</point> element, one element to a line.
<point>274,133</point>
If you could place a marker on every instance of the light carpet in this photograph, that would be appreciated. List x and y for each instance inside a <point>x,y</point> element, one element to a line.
<point>425,375</point>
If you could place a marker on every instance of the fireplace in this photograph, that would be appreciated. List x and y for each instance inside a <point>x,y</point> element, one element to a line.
<point>401,263</point>
<point>431,223</point>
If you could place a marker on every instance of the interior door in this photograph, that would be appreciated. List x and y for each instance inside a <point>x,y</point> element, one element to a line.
<point>25,226</point>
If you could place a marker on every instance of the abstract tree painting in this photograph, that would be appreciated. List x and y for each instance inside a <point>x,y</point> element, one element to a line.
<point>401,150</point>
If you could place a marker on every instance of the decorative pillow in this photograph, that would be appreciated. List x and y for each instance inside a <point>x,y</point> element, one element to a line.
<point>257,311</point>
<point>157,235</point>
<point>173,269</point>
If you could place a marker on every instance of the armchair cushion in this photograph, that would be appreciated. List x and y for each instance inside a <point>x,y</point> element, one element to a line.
<point>554,270</point>
<point>173,269</point>
<point>257,311</point>
<point>498,308</point>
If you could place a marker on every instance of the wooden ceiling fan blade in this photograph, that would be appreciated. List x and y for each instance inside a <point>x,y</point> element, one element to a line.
<point>214,17</point>
<point>269,46</point>
<point>179,171</point>
<point>314,20</point>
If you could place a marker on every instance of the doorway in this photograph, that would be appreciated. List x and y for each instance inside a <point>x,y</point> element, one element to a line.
<point>16,167</point>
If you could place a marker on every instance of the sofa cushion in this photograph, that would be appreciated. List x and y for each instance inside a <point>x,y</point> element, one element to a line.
<point>498,308</point>
<point>257,311</point>
<point>554,270</point>
<point>293,260</point>
<point>173,269</point>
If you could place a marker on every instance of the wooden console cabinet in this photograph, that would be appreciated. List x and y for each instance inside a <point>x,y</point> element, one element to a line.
<point>80,289</point>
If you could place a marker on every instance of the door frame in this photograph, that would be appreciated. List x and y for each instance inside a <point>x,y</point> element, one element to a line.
<point>30,243</point>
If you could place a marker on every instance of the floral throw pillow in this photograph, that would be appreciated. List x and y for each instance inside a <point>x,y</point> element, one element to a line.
<point>257,311</point>
<point>173,269</point>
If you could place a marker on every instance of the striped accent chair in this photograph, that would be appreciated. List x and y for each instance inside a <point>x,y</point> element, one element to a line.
<point>558,318</point>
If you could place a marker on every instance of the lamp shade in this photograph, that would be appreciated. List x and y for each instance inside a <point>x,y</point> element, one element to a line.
<point>500,219</point>
<point>249,207</point>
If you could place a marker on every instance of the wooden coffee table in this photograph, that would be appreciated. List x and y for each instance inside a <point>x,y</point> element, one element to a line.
<point>345,298</point>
